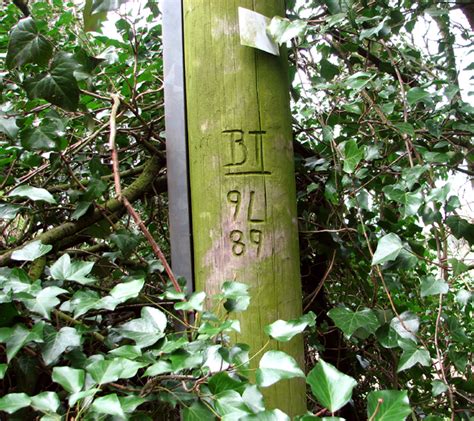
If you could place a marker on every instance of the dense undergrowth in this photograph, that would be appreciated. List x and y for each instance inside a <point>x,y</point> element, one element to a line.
<point>93,323</point>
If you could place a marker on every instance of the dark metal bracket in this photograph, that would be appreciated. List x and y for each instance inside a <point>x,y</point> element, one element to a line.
<point>176,141</point>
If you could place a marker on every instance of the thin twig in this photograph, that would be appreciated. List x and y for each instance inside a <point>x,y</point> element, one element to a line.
<point>377,408</point>
<point>315,293</point>
<point>118,190</point>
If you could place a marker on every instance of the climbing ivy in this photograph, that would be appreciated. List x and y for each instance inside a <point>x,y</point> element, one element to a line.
<point>94,325</point>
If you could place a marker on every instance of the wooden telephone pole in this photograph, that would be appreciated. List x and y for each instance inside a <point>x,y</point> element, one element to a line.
<point>242,184</point>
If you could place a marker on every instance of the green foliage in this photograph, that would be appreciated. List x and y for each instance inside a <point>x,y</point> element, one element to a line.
<point>27,45</point>
<point>58,85</point>
<point>91,326</point>
<point>31,251</point>
<point>284,331</point>
<point>388,405</point>
<point>33,193</point>
<point>388,249</point>
<point>275,366</point>
<point>283,30</point>
<point>349,321</point>
<point>330,387</point>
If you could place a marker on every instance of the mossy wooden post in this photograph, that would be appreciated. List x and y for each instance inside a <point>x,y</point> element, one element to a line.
<point>242,175</point>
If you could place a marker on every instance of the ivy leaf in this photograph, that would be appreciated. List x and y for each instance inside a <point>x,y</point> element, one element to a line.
<point>26,45</point>
<point>349,321</point>
<point>283,30</point>
<point>457,332</point>
<point>236,295</point>
<point>130,368</point>
<point>48,136</point>
<point>388,249</point>
<point>182,360</point>
<point>106,5</point>
<point>432,286</point>
<point>406,325</point>
<point>269,415</point>
<point>33,193</point>
<point>65,270</point>
<point>195,302</point>
<point>461,228</point>
<point>253,398</point>
<point>285,331</point>
<point>13,402</point>
<point>230,405</point>
<point>337,6</point>
<point>45,301</point>
<point>127,351</point>
<point>387,337</point>
<point>83,301</point>
<point>58,85</point>
<point>18,336</point>
<point>125,241</point>
<point>328,70</point>
<point>352,156</point>
<point>275,366</point>
<point>197,412</point>
<point>239,356</point>
<point>411,201</point>
<point>8,212</point>
<point>367,33</point>
<point>46,402</point>
<point>222,381</point>
<point>438,387</point>
<point>417,94</point>
<point>411,175</point>
<point>126,290</point>
<point>458,266</point>
<point>106,371</point>
<point>3,370</point>
<point>81,209</point>
<point>58,342</point>
<point>214,359</point>
<point>412,355</point>
<point>330,387</point>
<point>208,329</point>
<point>51,417</point>
<point>394,405</point>
<point>109,404</point>
<point>71,379</point>
<point>121,293</point>
<point>146,330</point>
<point>31,251</point>
<point>130,403</point>
<point>358,80</point>
<point>92,21</point>
<point>158,368</point>
<point>77,396</point>
<point>463,296</point>
<point>8,126</point>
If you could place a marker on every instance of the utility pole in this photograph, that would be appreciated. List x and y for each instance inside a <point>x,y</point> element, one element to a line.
<point>241,175</point>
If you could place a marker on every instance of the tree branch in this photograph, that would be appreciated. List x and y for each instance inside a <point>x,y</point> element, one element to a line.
<point>137,189</point>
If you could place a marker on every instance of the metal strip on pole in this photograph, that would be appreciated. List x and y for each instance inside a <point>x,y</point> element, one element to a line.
<point>176,143</point>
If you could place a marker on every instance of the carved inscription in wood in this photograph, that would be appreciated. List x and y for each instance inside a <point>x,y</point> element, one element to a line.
<point>244,157</point>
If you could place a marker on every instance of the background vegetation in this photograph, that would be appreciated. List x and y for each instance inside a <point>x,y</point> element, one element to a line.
<point>93,324</point>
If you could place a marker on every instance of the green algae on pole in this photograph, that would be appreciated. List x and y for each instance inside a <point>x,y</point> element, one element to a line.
<point>242,182</point>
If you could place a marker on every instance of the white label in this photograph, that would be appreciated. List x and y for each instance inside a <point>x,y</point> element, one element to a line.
<point>253,31</point>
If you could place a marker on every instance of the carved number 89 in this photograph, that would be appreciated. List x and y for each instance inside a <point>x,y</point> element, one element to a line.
<point>239,243</point>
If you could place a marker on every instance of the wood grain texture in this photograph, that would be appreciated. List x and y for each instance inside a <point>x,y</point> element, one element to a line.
<point>242,175</point>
